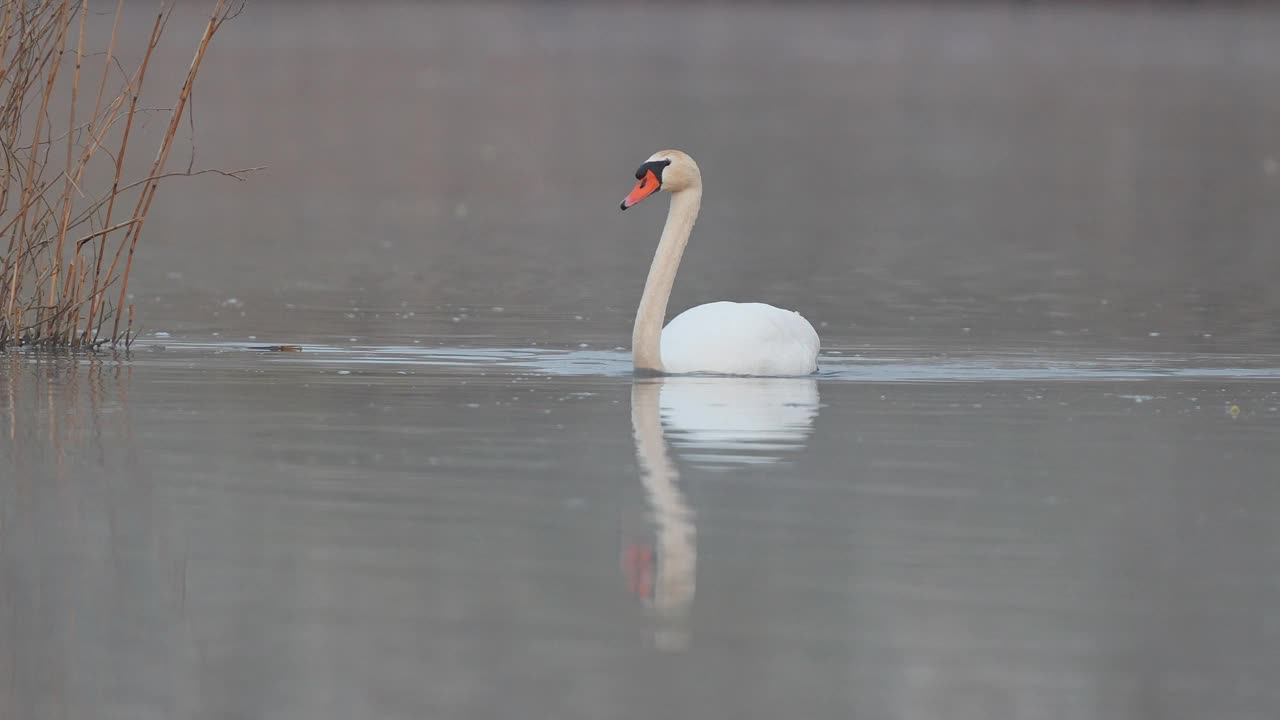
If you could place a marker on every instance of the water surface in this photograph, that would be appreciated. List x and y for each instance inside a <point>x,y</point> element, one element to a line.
<point>266,534</point>
<point>1035,476</point>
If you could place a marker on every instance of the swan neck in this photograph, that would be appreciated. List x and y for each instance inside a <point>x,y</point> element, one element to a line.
<point>646,335</point>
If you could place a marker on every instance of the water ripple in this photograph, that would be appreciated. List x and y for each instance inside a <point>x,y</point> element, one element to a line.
<point>886,365</point>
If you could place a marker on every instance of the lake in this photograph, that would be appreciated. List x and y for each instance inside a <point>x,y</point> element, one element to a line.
<point>1035,475</point>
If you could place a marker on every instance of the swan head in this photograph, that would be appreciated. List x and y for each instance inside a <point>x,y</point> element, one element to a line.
<point>669,170</point>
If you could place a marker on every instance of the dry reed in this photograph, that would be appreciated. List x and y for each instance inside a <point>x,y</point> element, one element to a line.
<point>69,252</point>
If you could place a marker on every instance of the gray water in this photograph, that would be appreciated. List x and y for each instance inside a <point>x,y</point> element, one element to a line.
<point>1034,477</point>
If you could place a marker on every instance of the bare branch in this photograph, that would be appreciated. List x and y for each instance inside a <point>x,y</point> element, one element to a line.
<point>105,231</point>
<point>237,174</point>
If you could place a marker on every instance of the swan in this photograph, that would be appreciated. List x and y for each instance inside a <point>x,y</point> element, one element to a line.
<point>725,338</point>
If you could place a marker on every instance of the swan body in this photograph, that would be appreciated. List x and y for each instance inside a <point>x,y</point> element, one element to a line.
<point>739,339</point>
<point>722,337</point>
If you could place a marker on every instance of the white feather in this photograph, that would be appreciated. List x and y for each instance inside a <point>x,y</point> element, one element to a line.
<point>739,339</point>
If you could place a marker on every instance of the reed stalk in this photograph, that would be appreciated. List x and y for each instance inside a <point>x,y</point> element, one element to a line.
<point>62,240</point>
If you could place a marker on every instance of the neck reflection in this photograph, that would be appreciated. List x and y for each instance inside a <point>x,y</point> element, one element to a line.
<point>723,424</point>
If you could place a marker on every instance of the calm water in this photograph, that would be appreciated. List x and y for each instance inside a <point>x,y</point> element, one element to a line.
<point>1035,477</point>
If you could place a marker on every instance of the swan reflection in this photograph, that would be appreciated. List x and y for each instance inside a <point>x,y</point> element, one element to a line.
<point>713,423</point>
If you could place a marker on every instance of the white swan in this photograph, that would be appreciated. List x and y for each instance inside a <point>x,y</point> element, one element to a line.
<point>721,337</point>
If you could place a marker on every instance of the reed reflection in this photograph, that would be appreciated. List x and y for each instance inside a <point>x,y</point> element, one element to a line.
<point>722,424</point>
<point>64,420</point>
<point>58,409</point>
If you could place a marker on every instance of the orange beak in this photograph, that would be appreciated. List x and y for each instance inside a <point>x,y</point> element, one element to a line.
<point>647,186</point>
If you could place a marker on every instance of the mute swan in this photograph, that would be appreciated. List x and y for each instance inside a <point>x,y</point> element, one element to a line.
<point>721,337</point>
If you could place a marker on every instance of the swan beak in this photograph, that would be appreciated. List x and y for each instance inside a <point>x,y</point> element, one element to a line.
<point>647,186</point>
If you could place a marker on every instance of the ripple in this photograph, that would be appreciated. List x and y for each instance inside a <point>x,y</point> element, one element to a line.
<point>884,365</point>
